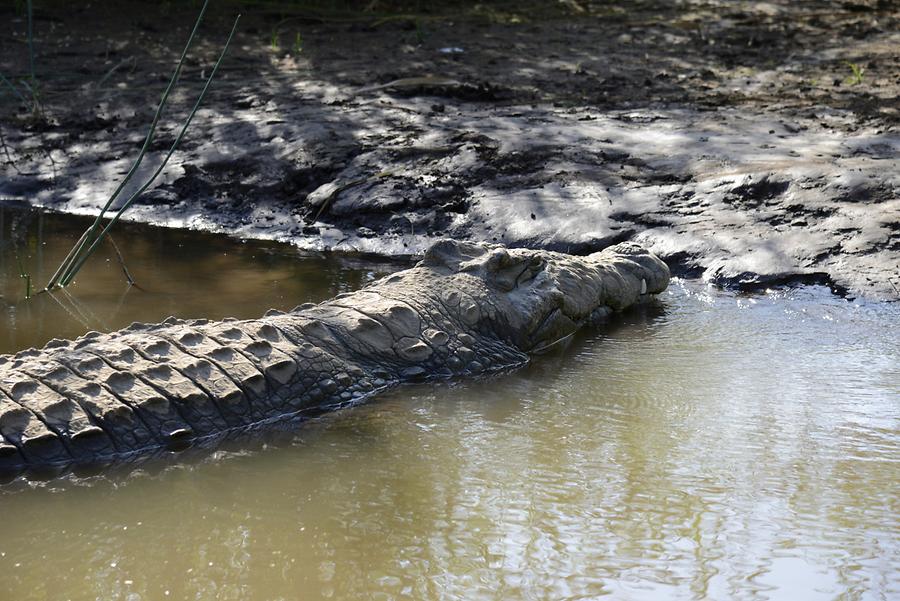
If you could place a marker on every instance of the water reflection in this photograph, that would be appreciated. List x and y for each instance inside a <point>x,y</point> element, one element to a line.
<point>711,447</point>
<point>186,274</point>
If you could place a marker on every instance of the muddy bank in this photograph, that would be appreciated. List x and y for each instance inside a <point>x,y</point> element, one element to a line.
<point>730,140</point>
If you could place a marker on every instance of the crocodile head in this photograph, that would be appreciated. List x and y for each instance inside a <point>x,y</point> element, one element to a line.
<point>539,297</point>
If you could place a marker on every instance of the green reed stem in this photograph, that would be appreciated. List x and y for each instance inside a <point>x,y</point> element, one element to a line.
<point>92,230</point>
<point>76,266</point>
<point>14,89</point>
<point>30,42</point>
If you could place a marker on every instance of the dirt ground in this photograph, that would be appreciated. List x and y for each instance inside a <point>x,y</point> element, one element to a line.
<point>750,143</point>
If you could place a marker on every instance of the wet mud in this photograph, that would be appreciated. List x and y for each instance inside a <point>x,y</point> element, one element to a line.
<point>752,144</point>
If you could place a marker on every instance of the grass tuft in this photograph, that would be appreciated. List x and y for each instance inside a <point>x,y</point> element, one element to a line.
<point>856,73</point>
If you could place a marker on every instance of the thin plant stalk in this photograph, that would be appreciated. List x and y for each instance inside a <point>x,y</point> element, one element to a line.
<point>121,260</point>
<point>36,107</point>
<point>78,263</point>
<point>30,42</point>
<point>59,270</point>
<point>92,230</point>
<point>9,158</point>
<point>24,275</point>
<point>15,90</point>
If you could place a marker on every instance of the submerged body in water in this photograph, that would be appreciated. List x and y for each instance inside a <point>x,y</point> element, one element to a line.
<point>466,309</point>
<point>707,445</point>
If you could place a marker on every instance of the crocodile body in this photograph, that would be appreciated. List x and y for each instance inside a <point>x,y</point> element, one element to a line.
<point>465,309</point>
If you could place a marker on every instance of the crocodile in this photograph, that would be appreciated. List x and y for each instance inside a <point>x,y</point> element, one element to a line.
<point>465,309</point>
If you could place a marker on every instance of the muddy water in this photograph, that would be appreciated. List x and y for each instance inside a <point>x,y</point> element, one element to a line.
<point>709,446</point>
<point>186,274</point>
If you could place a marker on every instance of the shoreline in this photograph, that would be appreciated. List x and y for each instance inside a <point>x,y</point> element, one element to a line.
<point>748,173</point>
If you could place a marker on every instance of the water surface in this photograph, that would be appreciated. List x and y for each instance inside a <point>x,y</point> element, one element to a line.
<point>176,272</point>
<point>708,446</point>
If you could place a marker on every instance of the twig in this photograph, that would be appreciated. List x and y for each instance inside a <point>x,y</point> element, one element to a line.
<point>121,260</point>
<point>412,82</point>
<point>551,344</point>
<point>116,67</point>
<point>9,159</point>
<point>122,301</point>
<point>49,154</point>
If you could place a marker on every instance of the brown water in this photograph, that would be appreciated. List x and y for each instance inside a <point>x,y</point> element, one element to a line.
<point>709,447</point>
<point>181,273</point>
